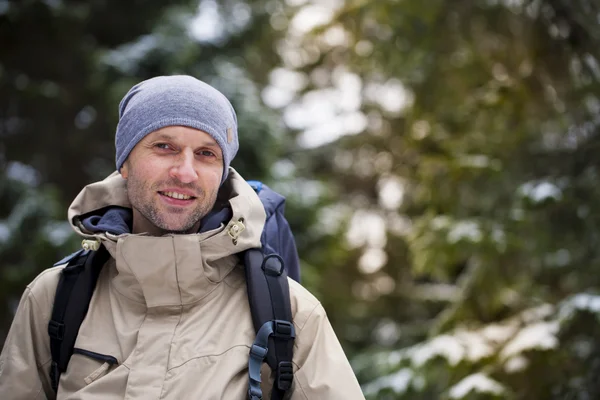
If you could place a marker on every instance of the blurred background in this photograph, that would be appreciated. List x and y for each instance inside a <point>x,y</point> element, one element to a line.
<point>439,158</point>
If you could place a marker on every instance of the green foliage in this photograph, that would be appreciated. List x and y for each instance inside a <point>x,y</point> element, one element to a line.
<point>483,115</point>
<point>31,235</point>
<point>439,160</point>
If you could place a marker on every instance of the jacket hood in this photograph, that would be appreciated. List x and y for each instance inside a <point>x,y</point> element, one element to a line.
<point>171,269</point>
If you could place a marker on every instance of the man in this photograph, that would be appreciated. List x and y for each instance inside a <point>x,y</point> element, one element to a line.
<point>169,318</point>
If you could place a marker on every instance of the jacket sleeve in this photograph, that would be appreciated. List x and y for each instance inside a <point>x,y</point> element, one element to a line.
<point>323,369</point>
<point>25,358</point>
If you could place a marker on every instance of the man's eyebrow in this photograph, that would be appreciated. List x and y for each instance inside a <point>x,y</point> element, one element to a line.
<point>164,136</point>
<point>206,141</point>
<point>210,144</point>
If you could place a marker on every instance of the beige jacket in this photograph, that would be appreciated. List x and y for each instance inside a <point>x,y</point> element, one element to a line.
<point>174,312</point>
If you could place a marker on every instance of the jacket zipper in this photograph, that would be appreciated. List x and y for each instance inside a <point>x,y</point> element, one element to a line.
<point>96,356</point>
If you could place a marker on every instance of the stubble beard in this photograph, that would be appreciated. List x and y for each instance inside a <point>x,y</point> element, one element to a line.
<point>140,197</point>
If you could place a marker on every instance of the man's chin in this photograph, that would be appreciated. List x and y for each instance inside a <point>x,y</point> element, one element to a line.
<point>178,228</point>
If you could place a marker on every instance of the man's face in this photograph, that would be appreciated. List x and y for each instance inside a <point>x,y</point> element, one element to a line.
<point>173,176</point>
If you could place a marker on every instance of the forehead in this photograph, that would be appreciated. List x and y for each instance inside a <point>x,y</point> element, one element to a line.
<point>183,136</point>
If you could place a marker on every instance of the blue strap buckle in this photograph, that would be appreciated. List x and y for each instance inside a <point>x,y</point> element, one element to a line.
<point>254,394</point>
<point>258,352</point>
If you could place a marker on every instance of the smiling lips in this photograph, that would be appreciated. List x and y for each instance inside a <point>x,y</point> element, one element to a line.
<point>178,196</point>
<point>176,199</point>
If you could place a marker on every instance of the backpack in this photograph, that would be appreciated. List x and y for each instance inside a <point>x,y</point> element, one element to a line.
<point>266,271</point>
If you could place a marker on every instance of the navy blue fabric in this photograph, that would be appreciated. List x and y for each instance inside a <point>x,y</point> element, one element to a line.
<point>215,218</point>
<point>277,236</point>
<point>114,220</point>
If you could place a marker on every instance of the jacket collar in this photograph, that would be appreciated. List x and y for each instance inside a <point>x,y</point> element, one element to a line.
<point>173,269</point>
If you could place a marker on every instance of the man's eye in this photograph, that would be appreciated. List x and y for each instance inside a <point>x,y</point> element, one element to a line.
<point>164,146</point>
<point>207,153</point>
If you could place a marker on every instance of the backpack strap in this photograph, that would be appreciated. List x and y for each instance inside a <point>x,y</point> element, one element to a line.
<point>269,298</point>
<point>73,295</point>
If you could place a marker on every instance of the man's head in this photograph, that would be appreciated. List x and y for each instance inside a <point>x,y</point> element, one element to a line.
<point>175,139</point>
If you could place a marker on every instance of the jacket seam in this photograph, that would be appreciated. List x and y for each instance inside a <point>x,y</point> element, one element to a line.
<point>44,316</point>
<point>300,386</point>
<point>116,286</point>
<point>177,280</point>
<point>37,395</point>
<point>208,355</point>
<point>129,298</point>
<point>225,273</point>
<point>300,328</point>
<point>296,346</point>
<point>230,285</point>
<point>43,369</point>
<point>162,389</point>
<point>44,364</point>
<point>193,303</point>
<point>124,364</point>
<point>144,302</point>
<point>225,280</point>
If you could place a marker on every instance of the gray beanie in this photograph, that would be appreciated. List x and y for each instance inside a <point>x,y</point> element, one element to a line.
<point>176,100</point>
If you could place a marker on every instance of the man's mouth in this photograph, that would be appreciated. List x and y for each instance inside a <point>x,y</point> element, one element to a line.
<point>178,196</point>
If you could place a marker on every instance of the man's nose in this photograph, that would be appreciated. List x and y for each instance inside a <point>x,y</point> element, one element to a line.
<point>185,170</point>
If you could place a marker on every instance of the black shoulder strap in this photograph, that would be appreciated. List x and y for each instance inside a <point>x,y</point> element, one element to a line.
<point>73,295</point>
<point>269,297</point>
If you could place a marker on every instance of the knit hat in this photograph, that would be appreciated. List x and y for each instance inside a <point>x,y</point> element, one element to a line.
<point>176,100</point>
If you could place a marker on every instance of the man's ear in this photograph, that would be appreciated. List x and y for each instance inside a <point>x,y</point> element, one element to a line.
<point>124,170</point>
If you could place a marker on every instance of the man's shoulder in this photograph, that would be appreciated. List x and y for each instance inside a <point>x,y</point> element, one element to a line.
<point>43,287</point>
<point>304,304</point>
<point>301,294</point>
